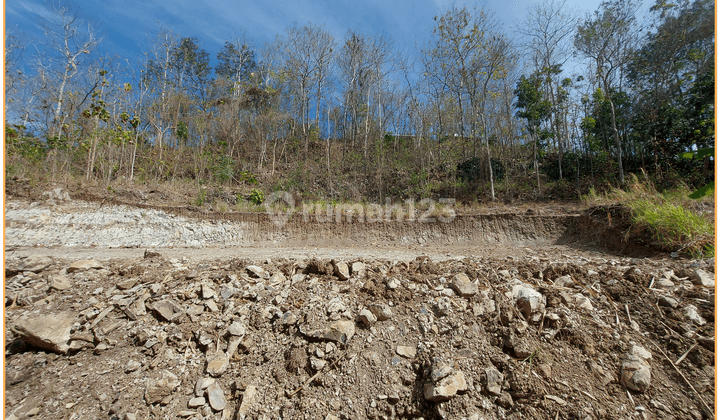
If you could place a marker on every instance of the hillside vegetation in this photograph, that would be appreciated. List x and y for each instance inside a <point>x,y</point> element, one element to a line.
<point>476,116</point>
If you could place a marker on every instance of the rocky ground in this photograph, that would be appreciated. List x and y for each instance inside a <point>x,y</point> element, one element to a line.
<point>544,331</point>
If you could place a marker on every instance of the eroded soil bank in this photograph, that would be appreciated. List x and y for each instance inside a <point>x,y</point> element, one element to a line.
<point>57,224</point>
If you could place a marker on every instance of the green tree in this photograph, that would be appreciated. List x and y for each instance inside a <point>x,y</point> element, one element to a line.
<point>672,74</point>
<point>548,31</point>
<point>535,108</point>
<point>607,38</point>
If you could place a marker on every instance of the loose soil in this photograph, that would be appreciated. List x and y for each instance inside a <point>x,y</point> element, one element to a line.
<point>280,323</point>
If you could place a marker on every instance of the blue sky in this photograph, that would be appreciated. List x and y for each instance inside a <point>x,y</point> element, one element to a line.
<point>126,25</point>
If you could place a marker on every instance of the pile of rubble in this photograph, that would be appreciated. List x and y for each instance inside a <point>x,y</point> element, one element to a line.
<point>474,338</point>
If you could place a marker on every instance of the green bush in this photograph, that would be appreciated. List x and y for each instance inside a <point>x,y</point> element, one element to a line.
<point>223,168</point>
<point>248,177</point>
<point>256,196</point>
<point>200,199</point>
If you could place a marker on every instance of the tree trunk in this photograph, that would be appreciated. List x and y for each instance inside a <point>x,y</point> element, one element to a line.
<point>492,180</point>
<point>59,103</point>
<point>618,142</point>
<point>535,161</point>
<point>132,164</point>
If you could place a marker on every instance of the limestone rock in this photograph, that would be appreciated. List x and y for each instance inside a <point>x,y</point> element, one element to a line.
<point>248,400</point>
<point>381,311</point>
<point>528,299</point>
<point>168,310</point>
<point>494,380</point>
<point>84,265</point>
<point>702,278</point>
<point>463,286</point>
<point>335,305</point>
<point>203,338</point>
<point>297,278</point>
<point>338,331</point>
<point>317,364</point>
<point>201,385</point>
<point>440,371</point>
<point>393,283</point>
<point>217,364</point>
<point>237,328</point>
<point>635,371</point>
<point>668,301</point>
<point>367,317</point>
<point>233,344</point>
<point>664,282</point>
<point>341,331</point>
<point>358,269</point>
<point>486,305</point>
<point>216,397</point>
<point>446,388</point>
<point>59,282</point>
<point>212,306</point>
<point>258,272</point>
<point>207,291</point>
<point>505,400</point>
<point>341,270</point>
<point>277,279</point>
<point>289,318</point>
<point>521,346</point>
<point>126,284</point>
<point>406,351</point>
<point>132,366</point>
<point>156,390</point>
<point>226,291</point>
<point>137,308</point>
<point>50,332</point>
<point>564,281</point>
<point>196,402</point>
<point>691,312</point>
<point>34,264</point>
<point>583,302</point>
<point>444,306</point>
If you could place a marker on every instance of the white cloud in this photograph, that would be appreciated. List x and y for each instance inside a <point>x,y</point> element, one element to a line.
<point>32,8</point>
<point>443,5</point>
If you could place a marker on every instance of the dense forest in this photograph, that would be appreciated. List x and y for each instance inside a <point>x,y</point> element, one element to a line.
<point>475,114</point>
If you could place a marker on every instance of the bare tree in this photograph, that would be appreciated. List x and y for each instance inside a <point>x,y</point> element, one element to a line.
<point>323,55</point>
<point>236,63</point>
<point>307,56</point>
<point>68,41</point>
<point>158,75</point>
<point>466,58</point>
<point>14,49</point>
<point>362,64</point>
